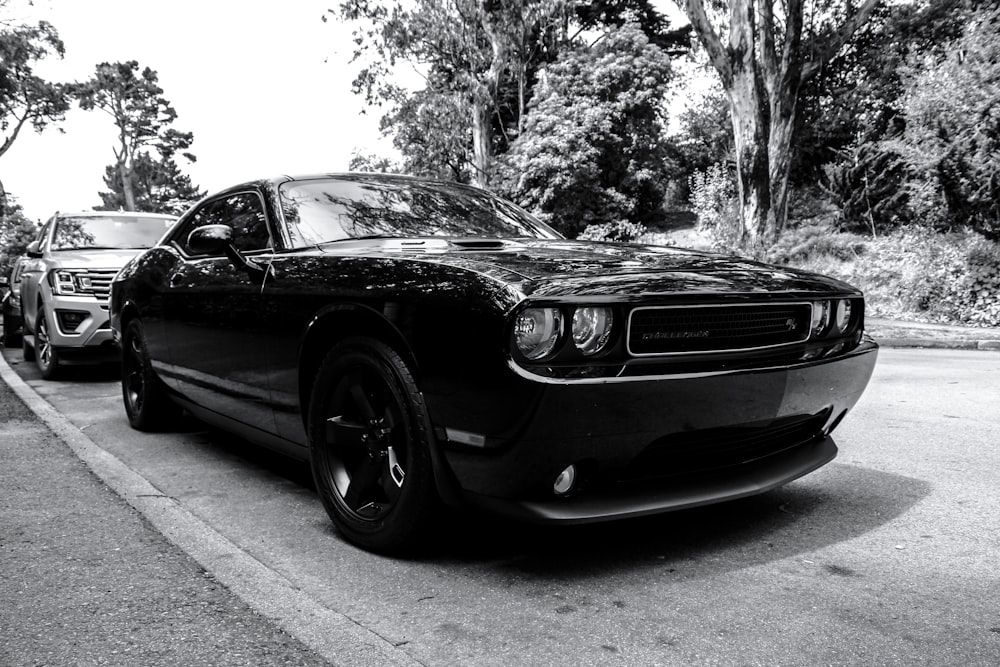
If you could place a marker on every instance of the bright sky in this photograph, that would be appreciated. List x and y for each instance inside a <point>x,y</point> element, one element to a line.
<point>264,87</point>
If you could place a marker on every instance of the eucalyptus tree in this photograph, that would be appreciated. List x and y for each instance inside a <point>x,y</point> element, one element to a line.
<point>763,53</point>
<point>142,115</point>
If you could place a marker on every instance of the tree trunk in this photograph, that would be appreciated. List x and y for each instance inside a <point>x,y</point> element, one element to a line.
<point>125,173</point>
<point>482,143</point>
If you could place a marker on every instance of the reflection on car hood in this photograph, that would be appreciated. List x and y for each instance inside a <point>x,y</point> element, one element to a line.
<point>91,259</point>
<point>578,268</point>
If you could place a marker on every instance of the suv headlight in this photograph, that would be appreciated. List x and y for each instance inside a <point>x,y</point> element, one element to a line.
<point>70,281</point>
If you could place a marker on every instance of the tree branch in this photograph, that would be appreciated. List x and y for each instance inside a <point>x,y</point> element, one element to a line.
<point>843,34</point>
<point>695,10</point>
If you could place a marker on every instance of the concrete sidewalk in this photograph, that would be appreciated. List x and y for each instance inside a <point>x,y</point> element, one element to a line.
<point>85,579</point>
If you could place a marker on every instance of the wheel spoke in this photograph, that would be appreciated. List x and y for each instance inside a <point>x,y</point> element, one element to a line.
<point>364,482</point>
<point>345,433</point>
<point>361,401</point>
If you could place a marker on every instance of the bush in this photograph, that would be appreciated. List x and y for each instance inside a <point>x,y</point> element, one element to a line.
<point>913,274</point>
<point>713,200</point>
<point>624,232</point>
<point>798,244</point>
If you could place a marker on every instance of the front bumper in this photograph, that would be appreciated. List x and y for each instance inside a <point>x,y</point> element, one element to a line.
<point>650,445</point>
<point>78,322</point>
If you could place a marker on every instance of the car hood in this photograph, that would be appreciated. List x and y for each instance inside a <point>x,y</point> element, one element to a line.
<point>566,268</point>
<point>91,259</point>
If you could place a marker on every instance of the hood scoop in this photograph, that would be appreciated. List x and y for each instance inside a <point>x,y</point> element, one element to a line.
<point>480,244</point>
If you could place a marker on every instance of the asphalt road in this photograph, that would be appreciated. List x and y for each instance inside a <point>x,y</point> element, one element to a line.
<point>888,556</point>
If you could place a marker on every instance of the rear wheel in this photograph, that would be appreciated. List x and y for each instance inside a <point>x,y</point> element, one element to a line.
<point>46,355</point>
<point>369,444</point>
<point>147,405</point>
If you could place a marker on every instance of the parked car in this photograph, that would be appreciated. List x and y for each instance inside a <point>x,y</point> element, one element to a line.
<point>11,304</point>
<point>419,341</point>
<point>65,283</point>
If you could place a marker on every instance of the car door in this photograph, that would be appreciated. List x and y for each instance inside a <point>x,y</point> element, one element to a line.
<point>215,338</point>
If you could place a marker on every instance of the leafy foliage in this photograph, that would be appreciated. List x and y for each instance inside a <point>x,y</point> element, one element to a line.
<point>593,149</point>
<point>26,98</point>
<point>135,102</point>
<point>16,232</point>
<point>619,232</point>
<point>713,200</point>
<point>914,273</point>
<point>158,187</point>
<point>480,60</point>
<point>951,144</point>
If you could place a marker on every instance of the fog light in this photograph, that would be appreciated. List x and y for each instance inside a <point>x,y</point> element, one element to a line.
<point>70,320</point>
<point>565,481</point>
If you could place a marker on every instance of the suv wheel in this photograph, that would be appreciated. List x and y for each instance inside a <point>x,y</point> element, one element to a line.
<point>45,354</point>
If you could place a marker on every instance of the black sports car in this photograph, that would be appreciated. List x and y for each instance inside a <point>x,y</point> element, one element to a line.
<point>420,341</point>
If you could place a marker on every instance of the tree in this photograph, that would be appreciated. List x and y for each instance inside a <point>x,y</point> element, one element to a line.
<point>142,115</point>
<point>770,52</point>
<point>858,96</point>
<point>480,60</point>
<point>16,232</point>
<point>158,187</point>
<point>27,99</point>
<point>593,150</point>
<point>952,139</point>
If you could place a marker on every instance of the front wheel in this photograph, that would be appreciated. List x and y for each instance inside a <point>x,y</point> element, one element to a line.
<point>46,355</point>
<point>369,445</point>
<point>147,405</point>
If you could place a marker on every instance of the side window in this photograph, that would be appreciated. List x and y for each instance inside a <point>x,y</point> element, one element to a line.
<point>243,212</point>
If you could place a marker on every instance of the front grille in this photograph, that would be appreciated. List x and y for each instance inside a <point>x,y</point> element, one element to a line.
<point>698,329</point>
<point>710,449</point>
<point>97,283</point>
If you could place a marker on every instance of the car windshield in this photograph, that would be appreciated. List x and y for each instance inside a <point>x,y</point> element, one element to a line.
<point>327,210</point>
<point>108,232</point>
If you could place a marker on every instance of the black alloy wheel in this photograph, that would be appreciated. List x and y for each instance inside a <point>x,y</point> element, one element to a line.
<point>45,353</point>
<point>147,405</point>
<point>370,452</point>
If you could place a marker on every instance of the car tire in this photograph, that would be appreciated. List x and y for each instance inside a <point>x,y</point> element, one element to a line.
<point>369,445</point>
<point>27,350</point>
<point>10,339</point>
<point>46,355</point>
<point>147,405</point>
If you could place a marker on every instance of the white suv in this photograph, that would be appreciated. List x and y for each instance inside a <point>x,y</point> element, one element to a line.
<point>66,280</point>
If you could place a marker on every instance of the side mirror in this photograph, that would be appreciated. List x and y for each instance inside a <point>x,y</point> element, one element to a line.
<point>32,250</point>
<point>210,239</point>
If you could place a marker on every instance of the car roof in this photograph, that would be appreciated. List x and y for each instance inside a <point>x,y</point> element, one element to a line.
<point>112,214</point>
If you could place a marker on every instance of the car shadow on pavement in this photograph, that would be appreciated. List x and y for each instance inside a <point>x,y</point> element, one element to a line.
<point>838,503</point>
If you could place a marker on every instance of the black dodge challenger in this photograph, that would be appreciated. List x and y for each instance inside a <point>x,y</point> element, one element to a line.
<point>420,342</point>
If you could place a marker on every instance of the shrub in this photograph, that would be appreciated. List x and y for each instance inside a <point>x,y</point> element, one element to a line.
<point>913,273</point>
<point>713,200</point>
<point>798,244</point>
<point>627,232</point>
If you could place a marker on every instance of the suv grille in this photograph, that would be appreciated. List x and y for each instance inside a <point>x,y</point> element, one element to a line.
<point>97,283</point>
<point>687,329</point>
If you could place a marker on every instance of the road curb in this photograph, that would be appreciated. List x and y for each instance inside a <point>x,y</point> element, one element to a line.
<point>336,637</point>
<point>987,345</point>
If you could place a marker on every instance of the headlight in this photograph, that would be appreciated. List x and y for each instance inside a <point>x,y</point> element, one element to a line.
<point>591,328</point>
<point>63,282</point>
<point>820,317</point>
<point>537,330</point>
<point>842,316</point>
